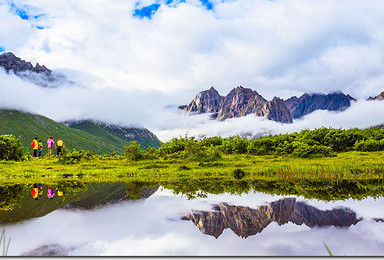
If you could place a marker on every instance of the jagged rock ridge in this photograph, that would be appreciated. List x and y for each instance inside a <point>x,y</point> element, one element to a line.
<point>378,97</point>
<point>39,74</point>
<point>239,102</point>
<point>246,221</point>
<point>244,101</point>
<point>307,103</point>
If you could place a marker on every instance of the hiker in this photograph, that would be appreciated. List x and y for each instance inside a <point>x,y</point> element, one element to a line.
<point>59,146</point>
<point>40,190</point>
<point>50,193</point>
<point>35,147</point>
<point>50,144</point>
<point>40,148</point>
<point>60,193</point>
<point>35,191</point>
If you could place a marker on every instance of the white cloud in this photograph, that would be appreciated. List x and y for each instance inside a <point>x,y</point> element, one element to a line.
<point>187,47</point>
<point>361,114</point>
<point>132,68</point>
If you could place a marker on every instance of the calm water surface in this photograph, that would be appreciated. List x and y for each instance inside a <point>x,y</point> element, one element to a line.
<point>104,221</point>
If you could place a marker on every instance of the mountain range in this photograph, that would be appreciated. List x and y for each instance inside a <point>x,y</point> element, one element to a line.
<point>242,101</point>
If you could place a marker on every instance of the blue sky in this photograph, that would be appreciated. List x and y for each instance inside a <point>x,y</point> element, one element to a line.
<point>149,10</point>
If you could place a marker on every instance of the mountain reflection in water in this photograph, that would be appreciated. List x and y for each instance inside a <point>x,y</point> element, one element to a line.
<point>246,221</point>
<point>143,219</point>
<point>22,202</point>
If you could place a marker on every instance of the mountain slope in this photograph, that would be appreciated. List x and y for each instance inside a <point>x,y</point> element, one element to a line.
<point>117,135</point>
<point>29,126</point>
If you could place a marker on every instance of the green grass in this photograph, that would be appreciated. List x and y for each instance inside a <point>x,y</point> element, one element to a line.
<point>351,174</point>
<point>345,166</point>
<point>3,242</point>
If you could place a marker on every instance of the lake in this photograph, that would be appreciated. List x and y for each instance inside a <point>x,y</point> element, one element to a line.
<point>115,219</point>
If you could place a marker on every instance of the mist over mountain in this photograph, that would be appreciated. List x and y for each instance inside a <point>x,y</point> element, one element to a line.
<point>38,74</point>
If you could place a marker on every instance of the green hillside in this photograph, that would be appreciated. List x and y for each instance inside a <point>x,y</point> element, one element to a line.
<point>120,136</point>
<point>28,126</point>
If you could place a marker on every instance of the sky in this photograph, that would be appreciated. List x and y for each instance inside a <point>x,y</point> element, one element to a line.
<point>135,61</point>
<point>152,227</point>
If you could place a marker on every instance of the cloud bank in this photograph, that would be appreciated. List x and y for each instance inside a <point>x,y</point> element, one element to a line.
<point>134,58</point>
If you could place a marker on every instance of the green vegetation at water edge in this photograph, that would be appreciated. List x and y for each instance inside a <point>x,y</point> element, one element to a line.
<point>350,174</point>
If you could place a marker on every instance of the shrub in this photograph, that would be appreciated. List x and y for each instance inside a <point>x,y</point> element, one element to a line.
<point>305,150</point>
<point>133,151</point>
<point>10,148</point>
<point>369,145</point>
<point>74,156</point>
<point>238,173</point>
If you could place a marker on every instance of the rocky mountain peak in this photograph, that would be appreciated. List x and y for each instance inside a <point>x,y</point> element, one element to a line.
<point>309,102</point>
<point>277,109</point>
<point>378,97</point>
<point>207,101</point>
<point>39,74</point>
<point>238,102</point>
<point>241,101</point>
<point>9,62</point>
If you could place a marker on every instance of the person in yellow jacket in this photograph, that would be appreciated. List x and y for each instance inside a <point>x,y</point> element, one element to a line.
<point>59,146</point>
<point>35,147</point>
<point>40,148</point>
<point>35,191</point>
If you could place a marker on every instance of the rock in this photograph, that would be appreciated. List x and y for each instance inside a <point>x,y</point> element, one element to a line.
<point>239,102</point>
<point>39,74</point>
<point>308,103</point>
<point>10,62</point>
<point>276,110</point>
<point>378,97</point>
<point>207,101</point>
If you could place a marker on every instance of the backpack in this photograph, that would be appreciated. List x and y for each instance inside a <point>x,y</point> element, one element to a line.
<point>33,144</point>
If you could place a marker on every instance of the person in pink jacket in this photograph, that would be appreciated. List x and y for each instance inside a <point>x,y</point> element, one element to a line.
<point>50,193</point>
<point>50,144</point>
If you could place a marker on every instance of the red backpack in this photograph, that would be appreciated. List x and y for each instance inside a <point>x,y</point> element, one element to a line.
<point>33,144</point>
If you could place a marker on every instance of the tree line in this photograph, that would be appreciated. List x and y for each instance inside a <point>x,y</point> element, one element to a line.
<point>321,142</point>
<point>306,143</point>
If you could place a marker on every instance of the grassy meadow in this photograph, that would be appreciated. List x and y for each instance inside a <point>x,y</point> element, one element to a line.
<point>324,163</point>
<point>344,166</point>
<point>347,175</point>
